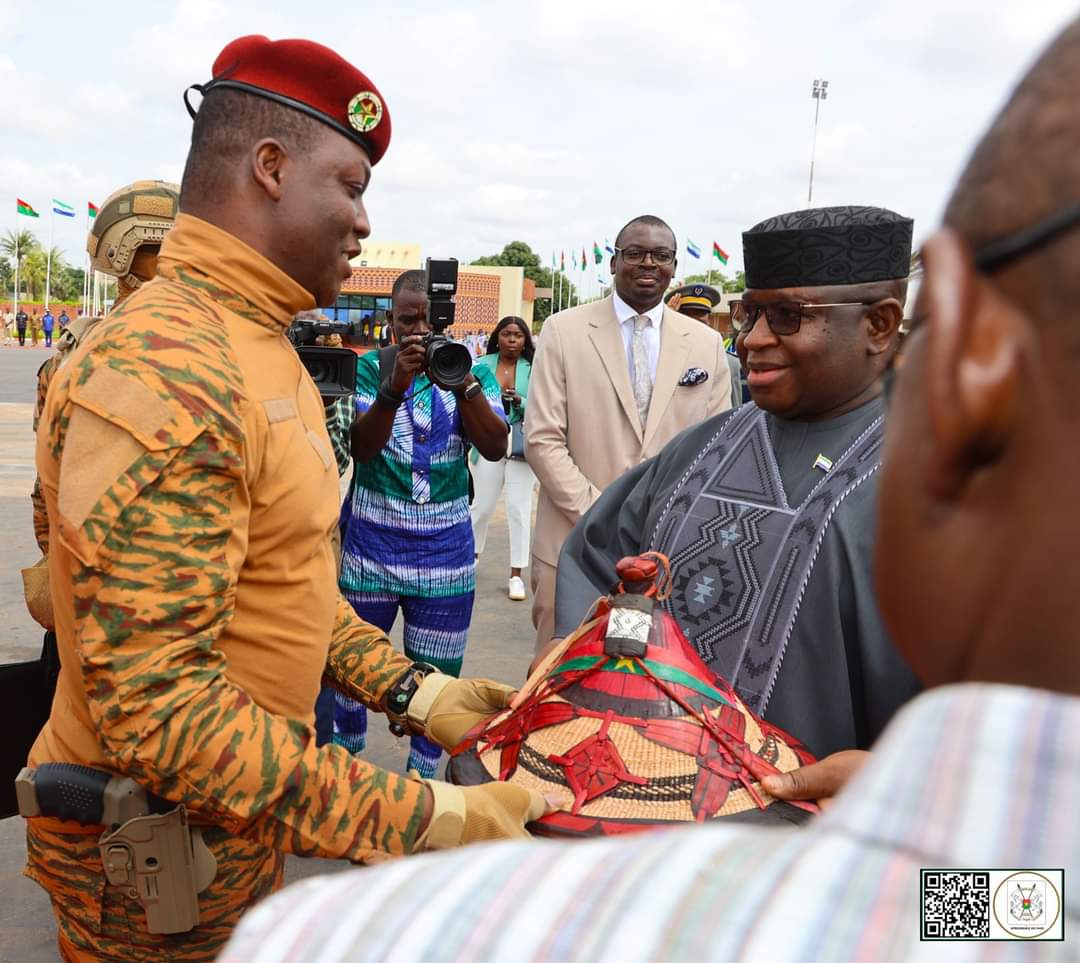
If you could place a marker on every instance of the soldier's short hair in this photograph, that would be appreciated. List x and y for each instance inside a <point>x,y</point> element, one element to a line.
<point>228,122</point>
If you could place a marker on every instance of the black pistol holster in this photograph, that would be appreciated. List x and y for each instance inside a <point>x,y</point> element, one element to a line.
<point>148,848</point>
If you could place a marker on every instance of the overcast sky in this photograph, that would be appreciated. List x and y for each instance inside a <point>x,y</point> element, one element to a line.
<point>547,122</point>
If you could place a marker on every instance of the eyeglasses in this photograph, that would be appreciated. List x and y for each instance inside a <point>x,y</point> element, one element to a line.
<point>998,253</point>
<point>783,317</point>
<point>635,255</point>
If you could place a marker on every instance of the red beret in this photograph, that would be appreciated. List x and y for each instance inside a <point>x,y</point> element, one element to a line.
<point>308,77</point>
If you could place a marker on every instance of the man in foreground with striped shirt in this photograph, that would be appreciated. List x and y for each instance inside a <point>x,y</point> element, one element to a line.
<point>977,574</point>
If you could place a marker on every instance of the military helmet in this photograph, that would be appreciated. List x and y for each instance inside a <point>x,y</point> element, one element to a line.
<point>141,213</point>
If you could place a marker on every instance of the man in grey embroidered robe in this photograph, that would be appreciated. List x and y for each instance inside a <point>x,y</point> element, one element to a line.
<point>766,512</point>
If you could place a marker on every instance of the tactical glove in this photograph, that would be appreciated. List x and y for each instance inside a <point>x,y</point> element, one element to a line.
<point>445,708</point>
<point>477,814</point>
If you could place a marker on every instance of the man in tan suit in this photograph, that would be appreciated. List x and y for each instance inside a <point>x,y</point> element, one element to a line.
<point>613,381</point>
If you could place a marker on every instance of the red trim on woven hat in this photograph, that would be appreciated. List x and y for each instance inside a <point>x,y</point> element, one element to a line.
<point>311,78</point>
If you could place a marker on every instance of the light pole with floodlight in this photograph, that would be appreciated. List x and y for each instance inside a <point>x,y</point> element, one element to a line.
<point>819,93</point>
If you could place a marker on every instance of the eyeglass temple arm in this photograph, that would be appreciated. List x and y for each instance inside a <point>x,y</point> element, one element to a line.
<point>991,256</point>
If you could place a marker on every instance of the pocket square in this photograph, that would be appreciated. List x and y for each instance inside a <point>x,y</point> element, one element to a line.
<point>693,376</point>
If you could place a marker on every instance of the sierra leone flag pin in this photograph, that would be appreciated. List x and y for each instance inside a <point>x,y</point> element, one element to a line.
<point>822,462</point>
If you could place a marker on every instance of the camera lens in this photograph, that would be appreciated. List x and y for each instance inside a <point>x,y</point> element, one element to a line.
<point>448,363</point>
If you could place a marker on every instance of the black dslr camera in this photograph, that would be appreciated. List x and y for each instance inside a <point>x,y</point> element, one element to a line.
<point>447,362</point>
<point>332,369</point>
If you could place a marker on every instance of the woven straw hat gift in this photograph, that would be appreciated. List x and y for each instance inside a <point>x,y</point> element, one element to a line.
<point>626,721</point>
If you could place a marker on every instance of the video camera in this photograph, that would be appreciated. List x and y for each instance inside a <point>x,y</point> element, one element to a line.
<point>332,369</point>
<point>447,362</point>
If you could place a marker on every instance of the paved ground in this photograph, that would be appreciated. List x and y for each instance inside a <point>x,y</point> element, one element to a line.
<point>500,647</point>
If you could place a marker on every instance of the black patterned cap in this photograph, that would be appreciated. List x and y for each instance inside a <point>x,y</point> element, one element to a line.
<point>827,245</point>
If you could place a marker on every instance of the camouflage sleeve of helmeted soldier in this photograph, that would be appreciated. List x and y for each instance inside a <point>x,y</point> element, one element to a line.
<point>148,522</point>
<point>37,496</point>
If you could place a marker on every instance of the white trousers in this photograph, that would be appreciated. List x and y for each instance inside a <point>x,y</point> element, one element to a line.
<point>488,480</point>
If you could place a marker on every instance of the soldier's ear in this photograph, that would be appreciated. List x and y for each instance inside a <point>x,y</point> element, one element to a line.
<point>269,160</point>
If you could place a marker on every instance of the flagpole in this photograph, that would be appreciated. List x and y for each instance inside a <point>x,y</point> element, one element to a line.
<point>16,265</point>
<point>86,270</point>
<point>48,259</point>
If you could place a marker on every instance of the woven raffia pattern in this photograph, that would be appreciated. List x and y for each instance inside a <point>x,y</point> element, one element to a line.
<point>671,774</point>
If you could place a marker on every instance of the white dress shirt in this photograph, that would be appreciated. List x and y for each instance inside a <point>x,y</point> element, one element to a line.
<point>626,314</point>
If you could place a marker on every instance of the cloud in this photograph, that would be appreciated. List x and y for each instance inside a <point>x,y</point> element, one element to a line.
<point>551,123</point>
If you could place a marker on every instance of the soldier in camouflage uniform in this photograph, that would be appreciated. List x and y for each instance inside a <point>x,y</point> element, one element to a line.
<point>191,489</point>
<point>124,243</point>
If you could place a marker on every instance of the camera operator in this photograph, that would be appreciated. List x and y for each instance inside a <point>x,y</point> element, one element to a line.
<point>407,539</point>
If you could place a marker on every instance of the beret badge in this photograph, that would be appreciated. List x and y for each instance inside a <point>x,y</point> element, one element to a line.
<point>365,111</point>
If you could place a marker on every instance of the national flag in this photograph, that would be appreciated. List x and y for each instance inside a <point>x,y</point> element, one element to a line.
<point>21,207</point>
<point>583,259</point>
<point>692,249</point>
<point>608,247</point>
<point>554,263</point>
<point>562,261</point>
<point>64,210</point>
<point>719,253</point>
<point>92,212</point>
<point>597,253</point>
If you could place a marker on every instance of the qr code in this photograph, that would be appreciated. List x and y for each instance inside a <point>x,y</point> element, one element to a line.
<point>956,905</point>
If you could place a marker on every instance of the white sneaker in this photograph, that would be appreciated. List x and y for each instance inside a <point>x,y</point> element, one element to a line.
<point>516,589</point>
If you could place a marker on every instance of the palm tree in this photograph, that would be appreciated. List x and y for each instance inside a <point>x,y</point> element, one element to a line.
<point>21,241</point>
<point>59,264</point>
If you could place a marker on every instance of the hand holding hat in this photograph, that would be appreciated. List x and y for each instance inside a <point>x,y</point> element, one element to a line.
<point>444,709</point>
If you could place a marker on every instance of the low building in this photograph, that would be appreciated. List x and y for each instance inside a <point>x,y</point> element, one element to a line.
<point>484,296</point>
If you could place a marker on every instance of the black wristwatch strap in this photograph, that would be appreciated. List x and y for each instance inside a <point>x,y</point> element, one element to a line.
<point>402,692</point>
<point>387,398</point>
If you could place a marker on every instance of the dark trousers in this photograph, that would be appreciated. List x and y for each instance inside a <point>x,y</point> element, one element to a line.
<point>22,334</point>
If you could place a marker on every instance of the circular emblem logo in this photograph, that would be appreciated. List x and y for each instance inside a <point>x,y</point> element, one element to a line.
<point>365,111</point>
<point>1027,904</point>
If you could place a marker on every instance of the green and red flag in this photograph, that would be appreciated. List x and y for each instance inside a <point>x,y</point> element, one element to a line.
<point>597,253</point>
<point>91,210</point>
<point>719,253</point>
<point>562,261</point>
<point>22,207</point>
<point>584,261</point>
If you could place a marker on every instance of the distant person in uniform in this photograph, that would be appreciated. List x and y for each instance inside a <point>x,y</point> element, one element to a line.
<point>21,321</point>
<point>35,328</point>
<point>697,301</point>
<point>47,324</point>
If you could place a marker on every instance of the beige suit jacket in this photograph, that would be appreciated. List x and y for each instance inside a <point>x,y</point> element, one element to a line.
<point>582,429</point>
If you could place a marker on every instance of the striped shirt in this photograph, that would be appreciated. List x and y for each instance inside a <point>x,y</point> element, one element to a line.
<point>968,776</point>
<point>407,528</point>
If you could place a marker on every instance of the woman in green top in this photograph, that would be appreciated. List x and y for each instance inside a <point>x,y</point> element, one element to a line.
<point>509,356</point>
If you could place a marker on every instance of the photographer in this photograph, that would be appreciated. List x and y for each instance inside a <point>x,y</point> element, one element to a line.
<point>407,537</point>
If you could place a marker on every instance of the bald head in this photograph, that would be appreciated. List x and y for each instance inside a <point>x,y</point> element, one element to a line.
<point>1026,168</point>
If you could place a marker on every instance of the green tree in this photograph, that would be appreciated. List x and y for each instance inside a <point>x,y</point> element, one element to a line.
<point>720,281</point>
<point>519,254</point>
<point>25,244</point>
<point>68,283</point>
<point>32,274</point>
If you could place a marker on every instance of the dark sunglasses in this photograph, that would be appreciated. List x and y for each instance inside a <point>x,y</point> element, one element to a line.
<point>783,317</point>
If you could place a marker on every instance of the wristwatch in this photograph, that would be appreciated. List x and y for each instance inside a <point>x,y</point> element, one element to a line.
<point>401,694</point>
<point>471,391</point>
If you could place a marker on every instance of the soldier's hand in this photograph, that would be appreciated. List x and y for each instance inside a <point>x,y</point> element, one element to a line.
<point>477,814</point>
<point>408,363</point>
<point>445,708</point>
<point>820,780</point>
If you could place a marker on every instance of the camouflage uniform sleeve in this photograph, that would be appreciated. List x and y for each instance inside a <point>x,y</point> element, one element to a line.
<point>37,496</point>
<point>362,662</point>
<point>148,523</point>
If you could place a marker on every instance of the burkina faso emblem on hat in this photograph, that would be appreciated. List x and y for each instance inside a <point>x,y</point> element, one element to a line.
<point>365,111</point>
<point>627,724</point>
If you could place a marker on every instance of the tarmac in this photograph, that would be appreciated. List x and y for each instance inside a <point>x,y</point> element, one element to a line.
<point>500,647</point>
